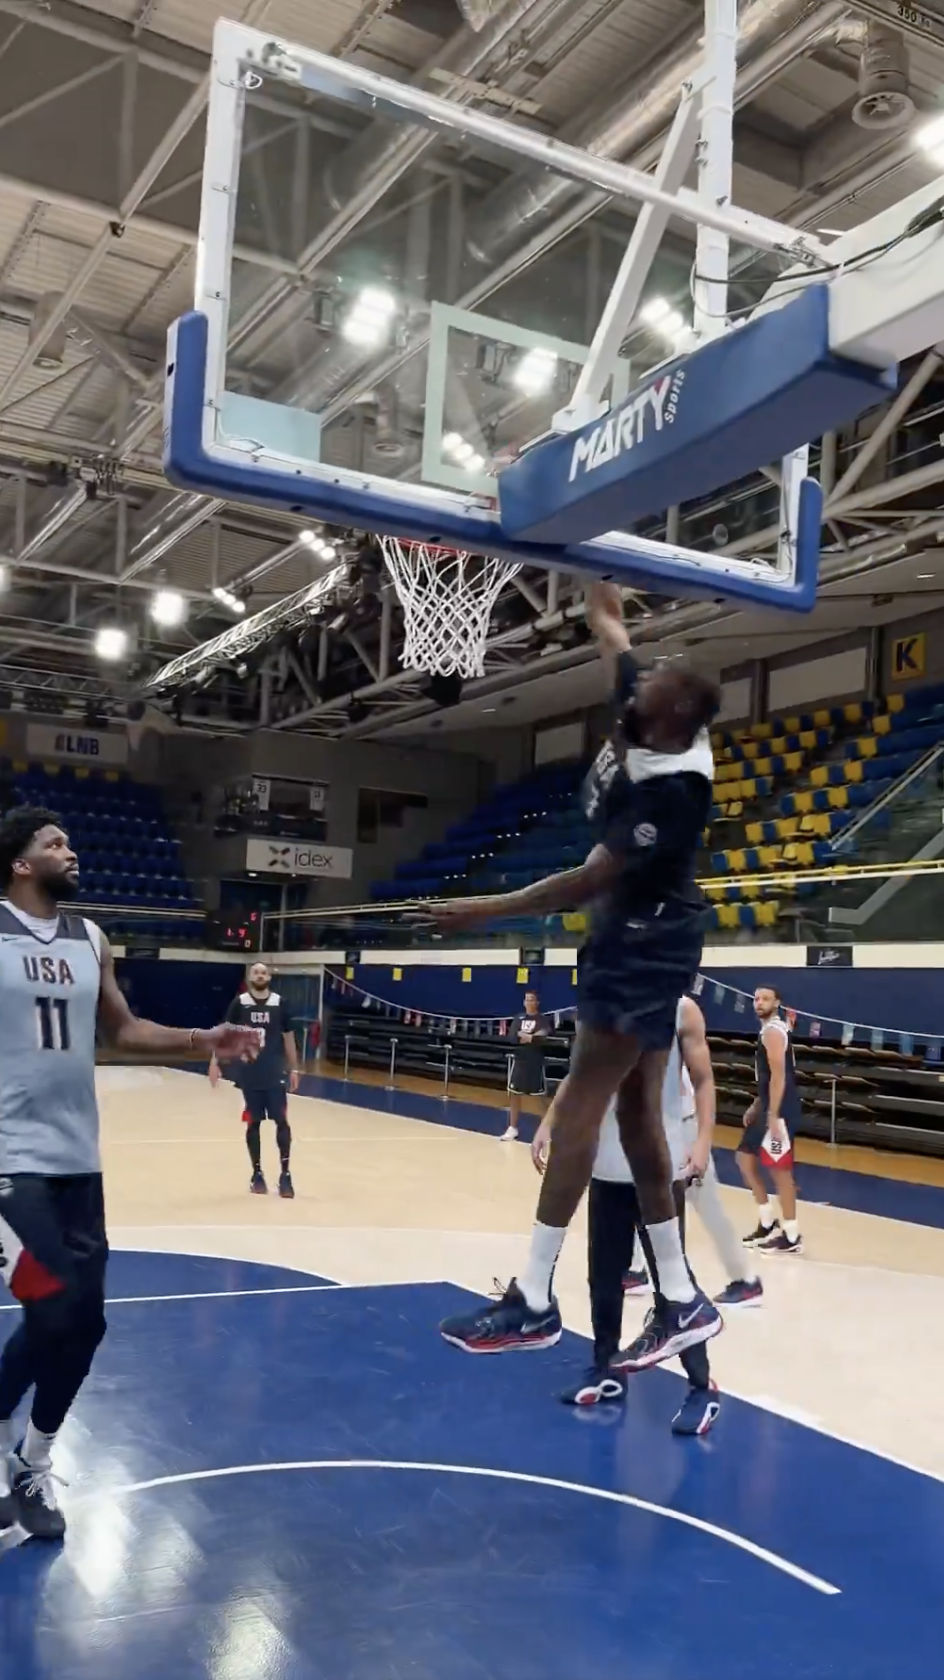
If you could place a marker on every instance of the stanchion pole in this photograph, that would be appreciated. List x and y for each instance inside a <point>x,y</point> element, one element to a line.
<point>393,1064</point>
<point>347,1054</point>
<point>445,1095</point>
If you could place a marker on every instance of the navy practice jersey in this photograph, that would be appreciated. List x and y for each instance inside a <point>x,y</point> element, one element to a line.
<point>790,1107</point>
<point>270,1017</point>
<point>650,810</point>
<point>528,1035</point>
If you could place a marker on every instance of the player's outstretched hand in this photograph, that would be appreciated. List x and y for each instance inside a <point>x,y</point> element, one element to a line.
<point>456,915</point>
<point>229,1043</point>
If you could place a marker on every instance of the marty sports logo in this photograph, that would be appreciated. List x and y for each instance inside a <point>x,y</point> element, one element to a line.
<point>644,414</point>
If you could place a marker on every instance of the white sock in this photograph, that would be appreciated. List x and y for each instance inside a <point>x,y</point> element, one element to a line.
<point>37,1447</point>
<point>792,1229</point>
<point>768,1215</point>
<point>535,1281</point>
<point>674,1281</point>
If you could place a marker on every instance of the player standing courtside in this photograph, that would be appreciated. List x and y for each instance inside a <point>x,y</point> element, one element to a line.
<point>57,984</point>
<point>266,1081</point>
<point>775,1110</point>
<point>615,1217</point>
<point>648,797</point>
<point>526,1074</point>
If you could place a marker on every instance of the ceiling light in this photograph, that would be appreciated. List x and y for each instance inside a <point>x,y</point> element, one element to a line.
<point>924,577</point>
<point>369,317</point>
<point>168,608</point>
<point>227,599</point>
<point>463,452</point>
<point>328,551</point>
<point>654,311</point>
<point>452,442</point>
<point>534,374</point>
<point>930,138</point>
<point>111,642</point>
<point>309,538</point>
<point>476,463</point>
<point>4,576</point>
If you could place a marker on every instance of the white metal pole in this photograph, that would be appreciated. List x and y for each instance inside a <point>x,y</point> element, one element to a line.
<point>715,168</point>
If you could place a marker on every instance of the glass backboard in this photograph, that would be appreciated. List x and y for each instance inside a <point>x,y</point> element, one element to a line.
<point>394,297</point>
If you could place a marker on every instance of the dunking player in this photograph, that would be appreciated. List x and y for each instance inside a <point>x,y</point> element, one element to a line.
<point>775,1110</point>
<point>265,1082</point>
<point>526,1074</point>
<point>57,983</point>
<point>649,797</point>
<point>615,1218</point>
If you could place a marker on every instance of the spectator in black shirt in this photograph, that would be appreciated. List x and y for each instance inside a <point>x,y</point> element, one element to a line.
<point>529,1033</point>
<point>649,798</point>
<point>265,1082</point>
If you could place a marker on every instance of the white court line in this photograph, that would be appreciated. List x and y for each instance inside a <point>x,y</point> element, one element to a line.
<point>611,1497</point>
<point>236,1294</point>
<point>311,1142</point>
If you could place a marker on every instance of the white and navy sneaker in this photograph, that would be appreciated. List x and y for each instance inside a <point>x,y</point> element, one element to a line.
<point>34,1494</point>
<point>754,1238</point>
<point>781,1244</point>
<point>257,1183</point>
<point>505,1326</point>
<point>597,1386</point>
<point>743,1292</point>
<point>509,1136</point>
<point>670,1328</point>
<point>697,1412</point>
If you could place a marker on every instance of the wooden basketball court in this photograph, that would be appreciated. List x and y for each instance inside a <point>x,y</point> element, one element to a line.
<point>844,1341</point>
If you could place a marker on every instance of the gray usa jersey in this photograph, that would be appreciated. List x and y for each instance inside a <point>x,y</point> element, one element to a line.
<point>49,992</point>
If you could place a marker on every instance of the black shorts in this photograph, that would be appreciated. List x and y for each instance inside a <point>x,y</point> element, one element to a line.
<point>269,1103</point>
<point>60,1223</point>
<point>632,983</point>
<point>526,1076</point>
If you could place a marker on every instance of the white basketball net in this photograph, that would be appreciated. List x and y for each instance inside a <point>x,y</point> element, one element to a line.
<point>447,599</point>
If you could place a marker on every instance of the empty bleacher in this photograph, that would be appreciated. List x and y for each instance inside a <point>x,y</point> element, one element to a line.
<point>132,877</point>
<point>785,791</point>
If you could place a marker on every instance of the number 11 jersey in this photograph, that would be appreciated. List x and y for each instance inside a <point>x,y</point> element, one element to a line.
<point>49,991</point>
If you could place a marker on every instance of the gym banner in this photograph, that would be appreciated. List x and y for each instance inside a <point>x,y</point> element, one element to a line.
<point>78,746</point>
<point>299,857</point>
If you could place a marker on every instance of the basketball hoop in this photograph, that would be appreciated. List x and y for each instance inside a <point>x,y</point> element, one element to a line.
<point>447,598</point>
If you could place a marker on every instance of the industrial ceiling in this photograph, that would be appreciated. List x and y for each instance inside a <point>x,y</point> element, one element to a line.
<point>101,137</point>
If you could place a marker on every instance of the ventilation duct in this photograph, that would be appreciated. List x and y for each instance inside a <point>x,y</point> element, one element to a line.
<point>884,100</point>
<point>638,114</point>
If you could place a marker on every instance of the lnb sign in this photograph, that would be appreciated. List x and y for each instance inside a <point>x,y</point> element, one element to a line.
<point>908,656</point>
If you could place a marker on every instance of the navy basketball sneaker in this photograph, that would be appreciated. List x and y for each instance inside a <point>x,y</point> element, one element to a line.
<point>697,1412</point>
<point>670,1328</point>
<point>505,1326</point>
<point>598,1386</point>
<point>744,1292</point>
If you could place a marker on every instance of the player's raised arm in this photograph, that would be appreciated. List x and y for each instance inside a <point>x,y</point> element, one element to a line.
<point>127,1032</point>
